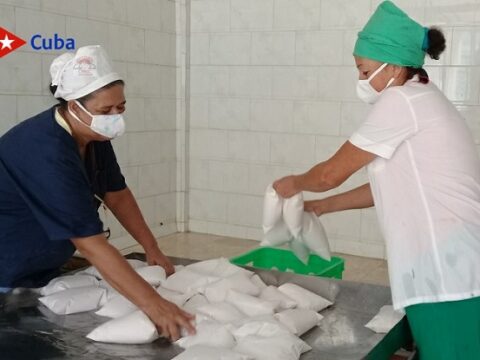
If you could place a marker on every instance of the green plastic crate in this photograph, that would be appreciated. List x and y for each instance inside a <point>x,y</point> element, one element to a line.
<point>284,260</point>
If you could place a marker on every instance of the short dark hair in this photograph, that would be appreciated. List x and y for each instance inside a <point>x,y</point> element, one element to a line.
<point>63,103</point>
<point>436,45</point>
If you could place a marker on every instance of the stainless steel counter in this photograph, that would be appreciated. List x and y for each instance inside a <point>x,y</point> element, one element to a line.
<point>30,331</point>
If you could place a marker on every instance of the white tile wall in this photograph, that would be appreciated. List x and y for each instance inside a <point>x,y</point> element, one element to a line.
<point>9,110</point>
<point>295,82</point>
<point>229,113</point>
<point>140,38</point>
<point>273,83</point>
<point>210,15</point>
<point>272,115</point>
<point>319,48</point>
<point>251,81</point>
<point>7,17</point>
<point>230,49</point>
<point>273,48</point>
<point>344,13</point>
<point>297,14</point>
<point>251,14</point>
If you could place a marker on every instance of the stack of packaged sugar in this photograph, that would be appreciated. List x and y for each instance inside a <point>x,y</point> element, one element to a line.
<point>237,315</point>
<point>86,291</point>
<point>286,222</point>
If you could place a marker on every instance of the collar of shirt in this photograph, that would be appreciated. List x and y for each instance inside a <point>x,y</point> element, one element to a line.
<point>62,122</point>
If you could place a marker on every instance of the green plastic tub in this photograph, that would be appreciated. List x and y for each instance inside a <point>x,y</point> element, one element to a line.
<point>284,260</point>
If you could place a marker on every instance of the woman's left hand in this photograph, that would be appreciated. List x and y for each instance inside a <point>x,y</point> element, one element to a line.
<point>287,187</point>
<point>156,257</point>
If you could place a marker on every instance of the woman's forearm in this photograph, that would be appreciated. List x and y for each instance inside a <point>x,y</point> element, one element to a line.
<point>125,208</point>
<point>358,198</point>
<point>115,269</point>
<point>167,317</point>
<point>332,173</point>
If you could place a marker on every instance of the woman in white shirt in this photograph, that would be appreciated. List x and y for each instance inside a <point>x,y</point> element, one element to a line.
<point>424,180</point>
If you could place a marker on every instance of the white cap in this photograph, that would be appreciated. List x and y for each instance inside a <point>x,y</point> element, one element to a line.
<point>80,74</point>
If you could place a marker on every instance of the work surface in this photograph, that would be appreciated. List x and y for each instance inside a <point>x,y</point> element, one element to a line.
<point>30,331</point>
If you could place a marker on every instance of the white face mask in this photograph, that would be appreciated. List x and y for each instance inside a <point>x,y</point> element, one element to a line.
<point>110,126</point>
<point>366,91</point>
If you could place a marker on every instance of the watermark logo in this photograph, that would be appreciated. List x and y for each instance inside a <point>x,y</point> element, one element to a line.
<point>37,42</point>
<point>9,42</point>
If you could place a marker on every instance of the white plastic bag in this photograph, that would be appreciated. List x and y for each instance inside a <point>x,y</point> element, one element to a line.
<point>117,307</point>
<point>293,214</point>
<point>178,267</point>
<point>277,235</point>
<point>196,301</point>
<point>385,320</point>
<point>219,267</point>
<point>304,298</point>
<point>154,274</point>
<point>280,347</point>
<point>210,333</point>
<point>260,326</point>
<point>257,280</point>
<point>134,328</point>
<point>202,352</point>
<point>188,281</point>
<point>240,282</point>
<point>314,236</point>
<point>173,296</point>
<point>250,305</point>
<point>300,250</point>
<point>299,321</point>
<point>278,298</point>
<point>74,300</point>
<point>272,209</point>
<point>68,282</point>
<point>111,291</point>
<point>222,312</point>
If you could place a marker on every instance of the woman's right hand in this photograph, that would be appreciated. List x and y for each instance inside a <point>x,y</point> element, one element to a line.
<point>316,206</point>
<point>169,318</point>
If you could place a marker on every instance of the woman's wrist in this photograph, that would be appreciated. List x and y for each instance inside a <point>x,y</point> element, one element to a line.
<point>148,242</point>
<point>151,249</point>
<point>327,205</point>
<point>299,182</point>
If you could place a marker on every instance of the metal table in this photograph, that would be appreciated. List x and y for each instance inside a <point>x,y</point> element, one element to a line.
<point>30,331</point>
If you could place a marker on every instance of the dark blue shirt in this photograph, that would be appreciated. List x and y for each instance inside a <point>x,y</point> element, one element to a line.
<point>47,197</point>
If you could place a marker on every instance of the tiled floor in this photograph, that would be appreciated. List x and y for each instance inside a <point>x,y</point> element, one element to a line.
<point>202,246</point>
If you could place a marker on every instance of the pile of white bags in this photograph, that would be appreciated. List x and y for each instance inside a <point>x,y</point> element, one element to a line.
<point>238,316</point>
<point>286,222</point>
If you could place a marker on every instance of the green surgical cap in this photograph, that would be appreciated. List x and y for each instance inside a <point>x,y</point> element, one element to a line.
<point>391,36</point>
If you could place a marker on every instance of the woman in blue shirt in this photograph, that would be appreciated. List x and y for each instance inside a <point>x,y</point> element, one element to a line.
<point>55,168</point>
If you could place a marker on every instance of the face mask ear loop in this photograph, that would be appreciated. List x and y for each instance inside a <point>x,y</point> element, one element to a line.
<point>390,82</point>
<point>84,110</point>
<point>375,73</point>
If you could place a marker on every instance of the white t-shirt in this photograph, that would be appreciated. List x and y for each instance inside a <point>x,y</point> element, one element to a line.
<point>426,187</point>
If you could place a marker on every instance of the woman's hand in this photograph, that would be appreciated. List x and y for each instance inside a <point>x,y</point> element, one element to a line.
<point>318,207</point>
<point>288,186</point>
<point>156,257</point>
<point>169,318</point>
